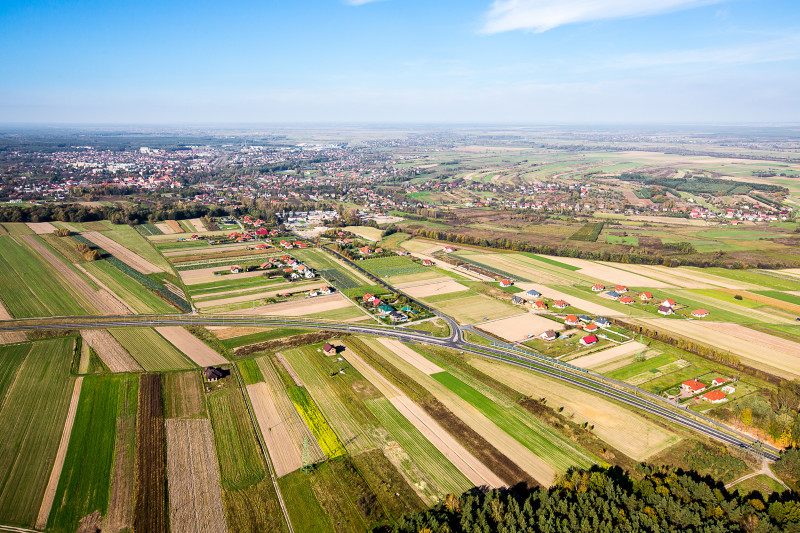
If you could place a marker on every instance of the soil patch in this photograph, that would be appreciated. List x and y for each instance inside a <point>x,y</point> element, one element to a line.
<point>115,357</point>
<point>411,357</point>
<point>300,307</point>
<point>521,327</point>
<point>149,513</point>
<point>194,348</point>
<point>122,253</point>
<point>41,228</point>
<point>606,356</point>
<point>432,287</point>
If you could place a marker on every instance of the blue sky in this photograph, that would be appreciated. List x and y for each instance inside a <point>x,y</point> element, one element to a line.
<point>465,61</point>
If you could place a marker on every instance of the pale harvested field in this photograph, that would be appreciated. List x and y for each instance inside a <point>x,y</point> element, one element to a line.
<point>472,468</point>
<point>277,408</point>
<point>421,245</point>
<point>517,328</point>
<point>304,307</point>
<point>608,355</point>
<point>116,358</point>
<point>411,356</point>
<point>206,275</point>
<point>505,443</point>
<point>121,305</point>
<point>585,305</point>
<point>174,226</point>
<point>630,433</point>
<point>719,281</point>
<point>672,276</point>
<point>210,250</point>
<point>525,267</point>
<point>61,454</point>
<point>470,309</point>
<point>416,277</point>
<point>432,287</point>
<point>779,356</point>
<point>225,332</point>
<point>122,253</point>
<point>668,221</point>
<point>194,348</point>
<point>102,300</point>
<point>366,232</point>
<point>165,228</point>
<point>8,337</point>
<point>273,291</point>
<point>195,495</point>
<point>610,274</point>
<point>197,224</point>
<point>41,228</point>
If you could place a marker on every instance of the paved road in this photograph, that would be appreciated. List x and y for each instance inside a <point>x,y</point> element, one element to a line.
<point>618,391</point>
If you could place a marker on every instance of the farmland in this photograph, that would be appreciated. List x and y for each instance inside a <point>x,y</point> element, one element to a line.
<point>389,267</point>
<point>150,509</point>
<point>150,349</point>
<point>327,439</point>
<point>32,419</point>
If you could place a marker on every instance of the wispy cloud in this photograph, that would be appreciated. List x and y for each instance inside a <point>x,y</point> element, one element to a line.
<point>543,15</point>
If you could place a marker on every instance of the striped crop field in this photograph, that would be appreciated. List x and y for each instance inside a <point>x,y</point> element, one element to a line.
<point>150,349</point>
<point>327,439</point>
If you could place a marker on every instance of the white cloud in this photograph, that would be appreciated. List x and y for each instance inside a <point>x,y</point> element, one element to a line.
<point>543,15</point>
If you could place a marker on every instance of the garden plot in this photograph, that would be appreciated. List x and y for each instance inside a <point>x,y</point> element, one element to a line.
<point>776,355</point>
<point>194,348</point>
<point>451,449</point>
<point>521,327</point>
<point>584,305</point>
<point>122,253</point>
<point>110,351</point>
<point>610,274</point>
<point>197,224</point>
<point>41,228</point>
<point>195,496</point>
<point>612,423</point>
<point>207,275</point>
<point>304,307</point>
<point>604,357</point>
<point>432,287</point>
<point>412,357</point>
<point>165,228</point>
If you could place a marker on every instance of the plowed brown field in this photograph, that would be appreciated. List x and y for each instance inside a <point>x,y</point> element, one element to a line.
<point>149,512</point>
<point>116,358</point>
<point>194,348</point>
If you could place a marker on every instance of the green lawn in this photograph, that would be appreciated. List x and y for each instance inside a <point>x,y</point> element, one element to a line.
<point>84,483</point>
<point>386,267</point>
<point>305,512</point>
<point>639,367</point>
<point>249,371</point>
<point>31,422</point>
<point>531,433</point>
<point>728,298</point>
<point>768,281</point>
<point>150,349</point>
<point>550,261</point>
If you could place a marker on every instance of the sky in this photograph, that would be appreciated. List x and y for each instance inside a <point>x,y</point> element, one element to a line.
<point>400,61</point>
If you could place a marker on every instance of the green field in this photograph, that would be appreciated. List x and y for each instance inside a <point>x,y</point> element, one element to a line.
<point>254,338</point>
<point>250,372</point>
<point>773,280</point>
<point>31,287</point>
<point>305,512</point>
<point>131,239</point>
<point>728,298</point>
<point>128,289</point>
<point>183,395</point>
<point>11,358</point>
<point>782,296</point>
<point>424,460</point>
<point>31,422</point>
<point>84,483</point>
<point>240,461</point>
<point>530,432</point>
<point>387,267</point>
<point>149,229</point>
<point>588,232</point>
<point>150,349</point>
<point>316,422</point>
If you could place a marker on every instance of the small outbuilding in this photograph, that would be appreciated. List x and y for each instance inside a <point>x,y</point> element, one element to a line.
<point>329,349</point>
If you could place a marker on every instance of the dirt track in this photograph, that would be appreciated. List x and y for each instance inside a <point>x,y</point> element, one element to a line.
<point>55,473</point>
<point>194,348</point>
<point>411,357</point>
<point>116,358</point>
<point>122,253</point>
<point>195,496</point>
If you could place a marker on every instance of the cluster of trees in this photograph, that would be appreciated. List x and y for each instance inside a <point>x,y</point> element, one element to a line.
<point>88,253</point>
<point>775,416</point>
<point>604,500</point>
<point>702,184</point>
<point>117,214</point>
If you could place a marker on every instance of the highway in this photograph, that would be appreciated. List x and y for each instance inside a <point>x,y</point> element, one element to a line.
<point>619,391</point>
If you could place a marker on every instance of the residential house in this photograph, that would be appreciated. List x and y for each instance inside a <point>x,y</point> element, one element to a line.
<point>693,386</point>
<point>598,287</point>
<point>506,283</point>
<point>590,328</point>
<point>714,396</point>
<point>621,288</point>
<point>700,313</point>
<point>669,303</point>
<point>329,349</point>
<point>549,335</point>
<point>626,300</point>
<point>612,294</point>
<point>602,322</point>
<point>560,304</point>
<point>716,382</point>
<point>427,262</point>
<point>540,305</point>
<point>645,296</point>
<point>449,249</point>
<point>588,340</point>
<point>235,269</point>
<point>665,310</point>
<point>213,374</point>
<point>571,320</point>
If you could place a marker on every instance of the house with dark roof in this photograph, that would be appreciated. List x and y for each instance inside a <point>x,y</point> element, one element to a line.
<point>213,374</point>
<point>549,335</point>
<point>614,295</point>
<point>665,310</point>
<point>329,349</point>
<point>602,322</point>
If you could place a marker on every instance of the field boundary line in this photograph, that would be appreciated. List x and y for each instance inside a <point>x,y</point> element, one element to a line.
<point>263,446</point>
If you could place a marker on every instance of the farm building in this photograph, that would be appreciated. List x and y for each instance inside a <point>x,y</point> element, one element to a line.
<point>598,287</point>
<point>645,296</point>
<point>714,396</point>
<point>560,304</point>
<point>588,340</point>
<point>665,310</point>
<point>213,374</point>
<point>571,320</point>
<point>693,386</point>
<point>329,349</point>
<point>700,313</point>
<point>549,335</point>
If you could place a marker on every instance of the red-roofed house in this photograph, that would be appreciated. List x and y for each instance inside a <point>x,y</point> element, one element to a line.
<point>693,386</point>
<point>262,231</point>
<point>716,382</point>
<point>368,297</point>
<point>700,313</point>
<point>645,297</point>
<point>571,320</point>
<point>235,269</point>
<point>506,283</point>
<point>560,304</point>
<point>627,300</point>
<point>590,328</point>
<point>540,305</point>
<point>598,287</point>
<point>365,250</point>
<point>449,249</point>
<point>668,303</point>
<point>714,396</point>
<point>427,262</point>
<point>588,340</point>
<point>621,288</point>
